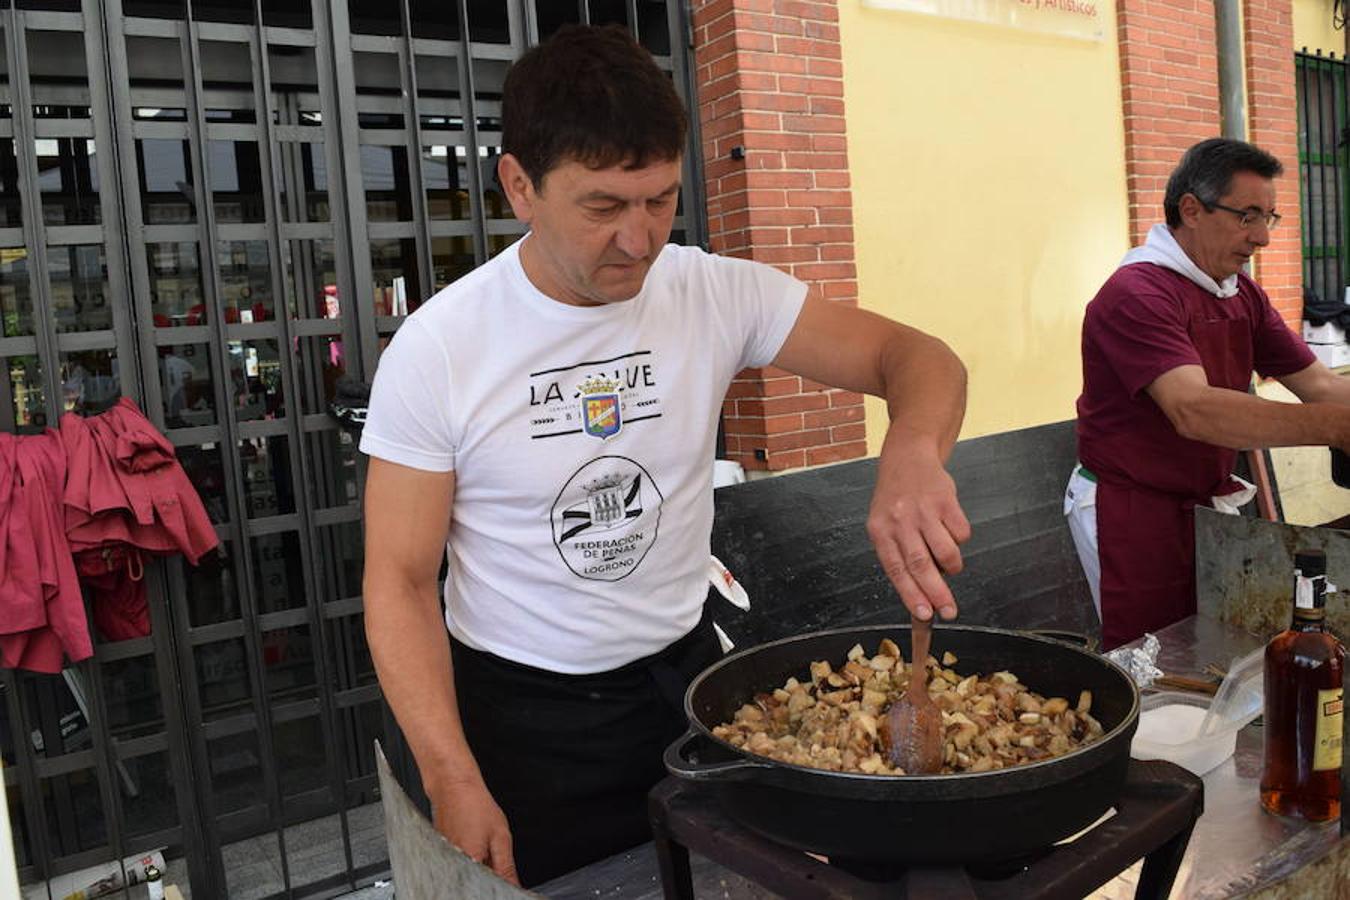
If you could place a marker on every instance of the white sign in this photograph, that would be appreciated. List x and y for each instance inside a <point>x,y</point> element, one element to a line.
<point>1083,19</point>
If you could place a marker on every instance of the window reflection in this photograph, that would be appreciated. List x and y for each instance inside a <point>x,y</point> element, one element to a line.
<point>68,181</point>
<point>288,658</point>
<point>307,201</point>
<point>245,281</point>
<point>29,405</point>
<point>321,365</point>
<point>385,174</point>
<point>131,691</point>
<point>442,172</point>
<point>336,478</point>
<point>278,579</point>
<point>206,471</point>
<point>165,169</point>
<point>342,551</point>
<point>11,209</point>
<point>78,275</point>
<point>451,259</point>
<point>266,467</point>
<point>16,297</point>
<point>393,267</point>
<point>236,181</point>
<point>90,381</point>
<point>311,279</point>
<point>255,380</point>
<point>211,592</point>
<point>223,680</point>
<point>185,383</point>
<point>175,284</point>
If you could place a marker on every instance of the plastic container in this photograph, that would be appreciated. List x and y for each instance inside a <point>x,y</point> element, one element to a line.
<point>1198,732</point>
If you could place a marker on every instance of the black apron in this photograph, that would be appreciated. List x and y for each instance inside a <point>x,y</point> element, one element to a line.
<point>570,758</point>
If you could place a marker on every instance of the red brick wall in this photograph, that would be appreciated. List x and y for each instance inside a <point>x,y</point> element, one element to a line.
<point>771,108</point>
<point>1273,125</point>
<point>1170,87</point>
<point>1169,70</point>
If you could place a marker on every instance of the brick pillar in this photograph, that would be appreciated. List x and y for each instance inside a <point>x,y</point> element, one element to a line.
<point>1273,125</point>
<point>770,100</point>
<point>1169,71</point>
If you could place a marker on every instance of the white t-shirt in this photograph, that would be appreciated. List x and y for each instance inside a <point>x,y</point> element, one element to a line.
<point>582,441</point>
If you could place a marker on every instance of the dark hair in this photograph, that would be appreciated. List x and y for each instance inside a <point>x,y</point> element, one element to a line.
<point>591,95</point>
<point>1207,171</point>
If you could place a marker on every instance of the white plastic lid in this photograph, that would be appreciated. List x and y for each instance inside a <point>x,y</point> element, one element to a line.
<point>1241,696</point>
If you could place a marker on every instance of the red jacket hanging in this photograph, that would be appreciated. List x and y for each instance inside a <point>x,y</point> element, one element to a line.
<point>88,500</point>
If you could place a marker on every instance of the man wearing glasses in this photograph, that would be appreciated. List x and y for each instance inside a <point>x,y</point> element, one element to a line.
<point>1169,346</point>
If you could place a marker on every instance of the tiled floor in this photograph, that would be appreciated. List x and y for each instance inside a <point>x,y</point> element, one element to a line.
<point>314,852</point>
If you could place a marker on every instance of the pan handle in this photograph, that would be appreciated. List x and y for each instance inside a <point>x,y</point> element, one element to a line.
<point>678,763</point>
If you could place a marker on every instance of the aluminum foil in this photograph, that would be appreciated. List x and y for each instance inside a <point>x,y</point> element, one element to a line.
<point>1140,662</point>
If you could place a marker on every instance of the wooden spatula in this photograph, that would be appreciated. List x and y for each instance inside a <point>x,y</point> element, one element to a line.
<point>912,730</point>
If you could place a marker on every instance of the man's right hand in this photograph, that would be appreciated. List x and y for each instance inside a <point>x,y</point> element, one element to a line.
<point>469,818</point>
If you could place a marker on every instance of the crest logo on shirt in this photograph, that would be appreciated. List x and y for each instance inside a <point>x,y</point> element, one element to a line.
<point>606,518</point>
<point>600,413</point>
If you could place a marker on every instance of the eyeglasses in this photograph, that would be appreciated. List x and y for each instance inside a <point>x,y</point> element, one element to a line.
<point>1249,217</point>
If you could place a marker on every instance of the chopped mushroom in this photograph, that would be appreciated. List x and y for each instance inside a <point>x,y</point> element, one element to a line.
<point>831,721</point>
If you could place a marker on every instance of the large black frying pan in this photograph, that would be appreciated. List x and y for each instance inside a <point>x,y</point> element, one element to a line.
<point>987,817</point>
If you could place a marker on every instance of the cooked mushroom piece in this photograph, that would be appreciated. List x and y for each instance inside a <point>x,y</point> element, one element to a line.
<point>829,719</point>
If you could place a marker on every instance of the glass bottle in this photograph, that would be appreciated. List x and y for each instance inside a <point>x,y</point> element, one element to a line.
<point>1303,715</point>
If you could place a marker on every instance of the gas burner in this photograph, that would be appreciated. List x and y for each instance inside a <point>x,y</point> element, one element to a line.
<point>1155,814</point>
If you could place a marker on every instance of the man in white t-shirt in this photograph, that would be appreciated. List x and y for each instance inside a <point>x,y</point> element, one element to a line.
<point>562,401</point>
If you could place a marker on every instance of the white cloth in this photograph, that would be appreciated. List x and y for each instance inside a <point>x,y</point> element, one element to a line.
<point>1162,249</point>
<point>1080,506</point>
<point>582,441</point>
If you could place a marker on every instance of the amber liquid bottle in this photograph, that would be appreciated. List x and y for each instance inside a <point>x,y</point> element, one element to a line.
<point>1303,700</point>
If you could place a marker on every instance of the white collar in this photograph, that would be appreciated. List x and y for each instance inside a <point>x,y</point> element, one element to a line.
<point>1162,249</point>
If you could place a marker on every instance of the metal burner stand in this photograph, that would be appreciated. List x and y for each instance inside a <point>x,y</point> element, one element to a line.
<point>1154,817</point>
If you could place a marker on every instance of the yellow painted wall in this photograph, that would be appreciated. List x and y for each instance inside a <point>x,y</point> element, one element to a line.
<point>1312,27</point>
<point>989,197</point>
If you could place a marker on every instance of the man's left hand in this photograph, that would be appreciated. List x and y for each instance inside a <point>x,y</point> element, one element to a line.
<point>916,525</point>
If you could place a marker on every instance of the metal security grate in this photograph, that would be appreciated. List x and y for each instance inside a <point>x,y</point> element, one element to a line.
<point>219,209</point>
<point>1322,153</point>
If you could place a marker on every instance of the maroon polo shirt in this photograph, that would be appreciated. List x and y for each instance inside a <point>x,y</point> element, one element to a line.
<point>1145,321</point>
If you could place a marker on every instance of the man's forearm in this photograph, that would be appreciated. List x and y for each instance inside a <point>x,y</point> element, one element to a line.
<point>925,396</point>
<point>1240,421</point>
<point>411,651</point>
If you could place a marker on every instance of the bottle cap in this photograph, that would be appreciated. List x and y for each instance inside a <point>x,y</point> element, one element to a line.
<point>152,873</point>
<point>1310,563</point>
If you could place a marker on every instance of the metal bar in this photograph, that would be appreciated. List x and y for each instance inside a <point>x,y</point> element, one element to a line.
<point>95,713</point>
<point>695,205</point>
<point>1337,124</point>
<point>583,12</point>
<point>470,116</point>
<point>300,464</point>
<point>170,655</point>
<point>416,181</point>
<point>30,195</point>
<point>1323,274</point>
<point>341,80</point>
<point>1305,220</point>
<point>211,290</point>
<point>1232,87</point>
<point>30,788</point>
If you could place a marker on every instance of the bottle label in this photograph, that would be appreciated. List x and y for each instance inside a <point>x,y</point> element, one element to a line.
<point>1306,591</point>
<point>1327,746</point>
